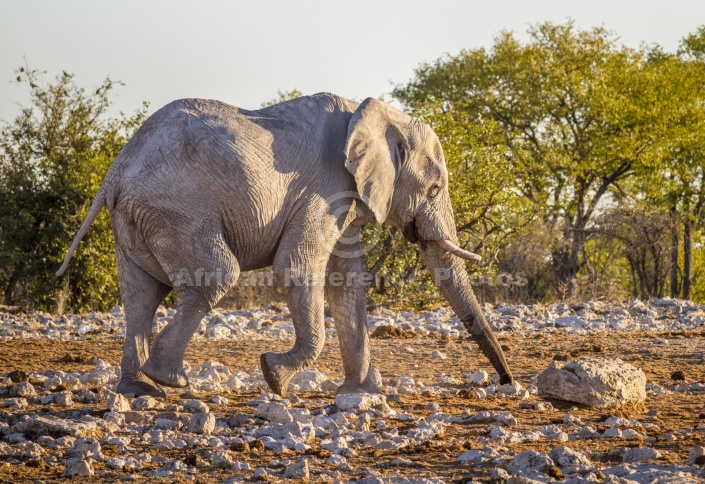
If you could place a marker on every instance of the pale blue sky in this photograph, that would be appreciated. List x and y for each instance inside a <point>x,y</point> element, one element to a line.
<point>242,52</point>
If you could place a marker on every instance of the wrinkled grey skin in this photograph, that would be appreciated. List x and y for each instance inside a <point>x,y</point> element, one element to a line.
<point>206,188</point>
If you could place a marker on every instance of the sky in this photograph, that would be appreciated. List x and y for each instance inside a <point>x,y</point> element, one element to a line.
<point>243,52</point>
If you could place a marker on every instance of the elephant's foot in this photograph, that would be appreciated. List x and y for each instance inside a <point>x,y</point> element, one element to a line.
<point>370,385</point>
<point>169,375</point>
<point>504,379</point>
<point>277,376</point>
<point>139,386</point>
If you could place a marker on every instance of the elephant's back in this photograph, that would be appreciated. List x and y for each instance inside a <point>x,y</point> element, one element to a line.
<point>187,145</point>
<point>198,162</point>
<point>175,132</point>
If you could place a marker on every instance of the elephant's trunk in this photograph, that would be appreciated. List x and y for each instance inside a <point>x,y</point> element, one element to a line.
<point>452,279</point>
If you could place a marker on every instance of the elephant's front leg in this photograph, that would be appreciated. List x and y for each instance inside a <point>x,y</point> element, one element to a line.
<point>304,284</point>
<point>345,293</point>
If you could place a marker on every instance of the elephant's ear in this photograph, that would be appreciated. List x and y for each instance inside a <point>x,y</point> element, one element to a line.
<point>374,153</point>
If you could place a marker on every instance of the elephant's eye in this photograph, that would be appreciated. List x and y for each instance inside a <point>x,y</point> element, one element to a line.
<point>435,189</point>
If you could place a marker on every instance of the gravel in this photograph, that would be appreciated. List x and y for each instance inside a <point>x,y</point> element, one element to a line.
<point>318,437</point>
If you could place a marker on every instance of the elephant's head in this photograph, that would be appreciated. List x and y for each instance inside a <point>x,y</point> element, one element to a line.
<point>401,175</point>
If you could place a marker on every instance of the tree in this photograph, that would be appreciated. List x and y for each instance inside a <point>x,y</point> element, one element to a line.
<point>283,96</point>
<point>578,113</point>
<point>53,157</point>
<point>677,185</point>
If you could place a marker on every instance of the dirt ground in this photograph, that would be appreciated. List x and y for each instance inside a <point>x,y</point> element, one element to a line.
<point>527,357</point>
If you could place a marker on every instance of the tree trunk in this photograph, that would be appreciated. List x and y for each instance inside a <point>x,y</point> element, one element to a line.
<point>674,257</point>
<point>687,259</point>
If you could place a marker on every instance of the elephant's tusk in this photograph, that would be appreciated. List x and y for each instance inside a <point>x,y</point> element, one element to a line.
<point>449,246</point>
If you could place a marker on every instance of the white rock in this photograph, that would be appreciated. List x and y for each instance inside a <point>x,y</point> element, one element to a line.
<point>274,412</point>
<point>300,470</point>
<point>63,399</point>
<point>100,377</point>
<point>338,461</point>
<point>480,377</point>
<point>196,406</point>
<point>489,416</point>
<point>529,461</point>
<point>569,322</point>
<point>86,447</point>
<point>554,433</point>
<point>129,462</point>
<point>600,383</point>
<point>567,457</point>
<point>639,454</point>
<point>55,426</point>
<point>116,401</point>
<point>223,459</point>
<point>615,421</point>
<point>146,402</point>
<point>374,377</point>
<point>510,389</point>
<point>474,455</point>
<point>363,423</point>
<point>696,453</point>
<point>240,466</point>
<point>201,423</point>
<point>359,402</point>
<point>426,430</point>
<point>498,474</point>
<point>18,402</point>
<point>438,355</point>
<point>171,467</point>
<point>260,474</point>
<point>23,389</point>
<point>78,467</point>
<point>307,381</point>
<point>302,432</point>
<point>537,406</point>
<point>167,424</point>
<point>52,382</point>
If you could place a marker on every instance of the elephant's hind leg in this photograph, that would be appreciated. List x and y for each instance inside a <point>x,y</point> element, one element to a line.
<point>141,295</point>
<point>200,282</point>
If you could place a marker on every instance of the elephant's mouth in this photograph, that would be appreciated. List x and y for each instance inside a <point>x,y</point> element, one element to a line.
<point>409,232</point>
<point>411,235</point>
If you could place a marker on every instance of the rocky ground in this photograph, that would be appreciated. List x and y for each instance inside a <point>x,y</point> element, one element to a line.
<point>444,419</point>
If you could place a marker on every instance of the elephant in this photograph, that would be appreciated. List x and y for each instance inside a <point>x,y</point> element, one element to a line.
<point>205,190</point>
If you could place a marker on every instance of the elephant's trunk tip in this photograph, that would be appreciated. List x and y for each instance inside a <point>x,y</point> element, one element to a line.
<point>449,246</point>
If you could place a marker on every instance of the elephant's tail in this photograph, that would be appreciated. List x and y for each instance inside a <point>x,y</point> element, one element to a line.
<point>96,206</point>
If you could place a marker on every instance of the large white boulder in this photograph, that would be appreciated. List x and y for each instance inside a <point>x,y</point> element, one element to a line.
<point>601,383</point>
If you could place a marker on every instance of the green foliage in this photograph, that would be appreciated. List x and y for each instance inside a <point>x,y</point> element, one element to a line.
<point>283,96</point>
<point>571,121</point>
<point>53,157</point>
